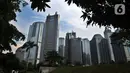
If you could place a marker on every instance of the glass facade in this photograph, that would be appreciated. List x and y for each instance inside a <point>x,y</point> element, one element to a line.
<point>34,30</point>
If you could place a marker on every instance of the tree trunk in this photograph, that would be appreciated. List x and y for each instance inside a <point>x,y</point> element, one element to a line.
<point>28,58</point>
<point>36,57</point>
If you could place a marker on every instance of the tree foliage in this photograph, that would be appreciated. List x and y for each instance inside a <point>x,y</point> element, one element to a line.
<point>53,58</point>
<point>8,32</point>
<point>39,4</point>
<point>28,46</point>
<point>9,62</point>
<point>122,36</point>
<point>101,12</point>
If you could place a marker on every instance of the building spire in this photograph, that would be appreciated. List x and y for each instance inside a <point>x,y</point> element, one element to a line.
<point>56,13</point>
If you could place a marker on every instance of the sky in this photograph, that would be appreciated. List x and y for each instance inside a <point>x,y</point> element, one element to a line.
<point>69,20</point>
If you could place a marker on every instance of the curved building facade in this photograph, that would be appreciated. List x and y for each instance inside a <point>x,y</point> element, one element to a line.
<point>86,52</point>
<point>95,49</point>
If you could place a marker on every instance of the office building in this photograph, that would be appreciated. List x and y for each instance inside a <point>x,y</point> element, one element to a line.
<point>76,51</point>
<point>94,48</point>
<point>118,50</point>
<point>104,52</point>
<point>35,35</point>
<point>51,35</point>
<point>107,34</point>
<point>86,51</point>
<point>127,50</point>
<point>61,48</point>
<point>67,45</point>
<point>124,45</point>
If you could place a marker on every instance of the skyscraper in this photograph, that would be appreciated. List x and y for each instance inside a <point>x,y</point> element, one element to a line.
<point>67,45</point>
<point>95,49</point>
<point>127,51</point>
<point>75,51</point>
<point>104,51</point>
<point>51,35</point>
<point>86,52</point>
<point>126,47</point>
<point>61,48</point>
<point>35,35</point>
<point>119,51</point>
<point>107,34</point>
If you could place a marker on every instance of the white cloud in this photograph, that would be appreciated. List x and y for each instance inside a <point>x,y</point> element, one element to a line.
<point>71,14</point>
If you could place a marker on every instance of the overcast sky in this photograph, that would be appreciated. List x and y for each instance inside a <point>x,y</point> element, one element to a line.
<point>69,20</point>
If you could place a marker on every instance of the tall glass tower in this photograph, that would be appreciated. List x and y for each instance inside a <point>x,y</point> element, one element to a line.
<point>35,35</point>
<point>51,35</point>
<point>107,34</point>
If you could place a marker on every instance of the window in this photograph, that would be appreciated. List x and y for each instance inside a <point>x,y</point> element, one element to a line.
<point>34,30</point>
<point>52,19</point>
<point>129,50</point>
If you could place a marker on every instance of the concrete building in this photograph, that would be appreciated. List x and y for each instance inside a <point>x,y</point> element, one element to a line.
<point>127,51</point>
<point>104,51</point>
<point>51,35</point>
<point>35,35</point>
<point>61,48</point>
<point>107,34</point>
<point>119,51</point>
<point>67,45</point>
<point>76,51</point>
<point>95,49</point>
<point>126,47</point>
<point>86,52</point>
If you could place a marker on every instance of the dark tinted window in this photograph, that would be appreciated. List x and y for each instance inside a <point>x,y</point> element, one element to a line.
<point>34,30</point>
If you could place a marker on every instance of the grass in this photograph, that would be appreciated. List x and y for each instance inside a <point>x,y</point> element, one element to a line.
<point>111,68</point>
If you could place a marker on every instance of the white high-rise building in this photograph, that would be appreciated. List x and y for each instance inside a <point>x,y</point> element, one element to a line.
<point>35,35</point>
<point>104,51</point>
<point>95,49</point>
<point>107,34</point>
<point>86,51</point>
<point>51,35</point>
<point>61,49</point>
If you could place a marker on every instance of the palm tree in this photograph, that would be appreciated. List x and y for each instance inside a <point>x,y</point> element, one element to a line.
<point>28,46</point>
